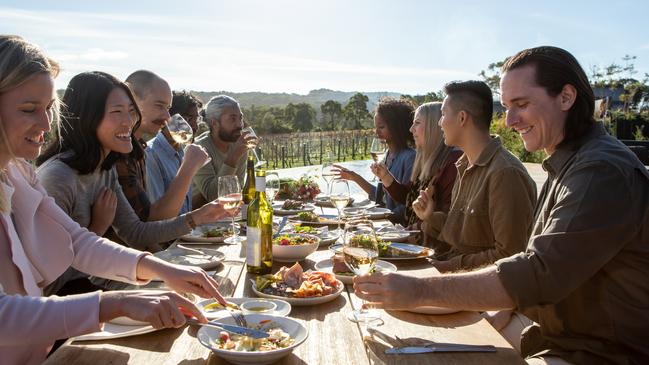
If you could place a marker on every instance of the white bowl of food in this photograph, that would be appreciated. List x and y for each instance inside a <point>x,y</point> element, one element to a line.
<point>293,247</point>
<point>241,350</point>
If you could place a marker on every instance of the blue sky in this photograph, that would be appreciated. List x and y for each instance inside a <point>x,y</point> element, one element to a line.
<point>295,46</point>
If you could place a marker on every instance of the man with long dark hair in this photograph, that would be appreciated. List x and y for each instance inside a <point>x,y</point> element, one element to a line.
<point>583,277</point>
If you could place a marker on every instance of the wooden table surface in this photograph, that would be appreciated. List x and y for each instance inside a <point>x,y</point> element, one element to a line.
<point>332,338</point>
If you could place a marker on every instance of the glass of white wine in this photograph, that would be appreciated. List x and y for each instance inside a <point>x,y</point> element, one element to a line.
<point>339,196</point>
<point>272,186</point>
<point>181,132</point>
<point>251,142</point>
<point>328,173</point>
<point>230,197</point>
<point>378,149</point>
<point>360,251</point>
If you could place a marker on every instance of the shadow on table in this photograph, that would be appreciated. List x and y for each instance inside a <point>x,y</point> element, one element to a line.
<point>451,320</point>
<point>70,355</point>
<point>163,340</point>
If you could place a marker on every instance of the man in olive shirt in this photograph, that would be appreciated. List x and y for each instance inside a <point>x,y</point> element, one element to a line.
<point>225,145</point>
<point>492,189</point>
<point>583,278</point>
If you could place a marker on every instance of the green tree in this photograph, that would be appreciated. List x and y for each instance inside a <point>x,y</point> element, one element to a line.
<point>427,98</point>
<point>491,76</point>
<point>304,117</point>
<point>332,110</point>
<point>356,110</point>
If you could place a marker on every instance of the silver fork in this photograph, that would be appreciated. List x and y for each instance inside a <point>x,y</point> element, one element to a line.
<point>238,316</point>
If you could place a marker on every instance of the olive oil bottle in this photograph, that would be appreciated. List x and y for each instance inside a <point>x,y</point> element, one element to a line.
<point>259,250</point>
<point>248,191</point>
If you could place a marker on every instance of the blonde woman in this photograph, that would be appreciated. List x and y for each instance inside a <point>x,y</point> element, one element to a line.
<point>38,241</point>
<point>434,168</point>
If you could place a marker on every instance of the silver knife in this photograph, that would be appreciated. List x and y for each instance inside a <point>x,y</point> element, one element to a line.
<point>232,329</point>
<point>440,348</point>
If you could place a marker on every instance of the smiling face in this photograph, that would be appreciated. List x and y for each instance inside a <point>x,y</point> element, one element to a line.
<point>26,113</point>
<point>114,131</point>
<point>538,117</point>
<point>154,108</point>
<point>418,130</point>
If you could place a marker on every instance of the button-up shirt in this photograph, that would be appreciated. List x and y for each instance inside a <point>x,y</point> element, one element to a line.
<point>162,164</point>
<point>584,278</point>
<point>492,209</point>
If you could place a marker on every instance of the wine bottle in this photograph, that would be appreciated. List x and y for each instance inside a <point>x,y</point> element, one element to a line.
<point>259,250</point>
<point>249,187</point>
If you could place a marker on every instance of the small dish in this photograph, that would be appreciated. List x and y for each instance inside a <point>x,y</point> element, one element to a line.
<point>258,306</point>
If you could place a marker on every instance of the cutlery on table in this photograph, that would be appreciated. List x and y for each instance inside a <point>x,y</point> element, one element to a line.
<point>231,328</point>
<point>440,347</point>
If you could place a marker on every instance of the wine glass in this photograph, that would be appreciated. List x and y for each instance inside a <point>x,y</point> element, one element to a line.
<point>230,197</point>
<point>328,173</point>
<point>251,142</point>
<point>360,251</point>
<point>181,132</point>
<point>339,196</point>
<point>272,186</point>
<point>378,149</point>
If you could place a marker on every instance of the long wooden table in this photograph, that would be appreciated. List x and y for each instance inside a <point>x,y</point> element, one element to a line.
<point>332,338</point>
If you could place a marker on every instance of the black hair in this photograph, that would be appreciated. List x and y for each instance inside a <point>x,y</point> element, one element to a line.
<point>474,97</point>
<point>82,110</point>
<point>398,114</point>
<point>182,101</point>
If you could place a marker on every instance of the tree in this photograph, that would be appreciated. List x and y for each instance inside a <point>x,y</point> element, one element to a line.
<point>333,110</point>
<point>304,117</point>
<point>422,99</point>
<point>491,76</point>
<point>356,110</point>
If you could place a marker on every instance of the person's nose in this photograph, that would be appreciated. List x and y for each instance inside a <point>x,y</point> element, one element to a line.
<point>511,118</point>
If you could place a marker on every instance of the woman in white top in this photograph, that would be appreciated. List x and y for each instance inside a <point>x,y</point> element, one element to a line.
<point>38,241</point>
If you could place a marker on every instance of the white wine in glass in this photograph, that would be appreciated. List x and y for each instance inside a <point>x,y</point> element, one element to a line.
<point>272,186</point>
<point>251,143</point>
<point>231,198</point>
<point>180,131</point>
<point>378,149</point>
<point>339,195</point>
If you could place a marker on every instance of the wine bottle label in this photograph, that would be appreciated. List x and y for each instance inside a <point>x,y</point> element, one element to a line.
<point>260,183</point>
<point>253,246</point>
<point>244,212</point>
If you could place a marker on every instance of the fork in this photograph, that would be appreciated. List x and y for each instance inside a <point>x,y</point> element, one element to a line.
<point>238,316</point>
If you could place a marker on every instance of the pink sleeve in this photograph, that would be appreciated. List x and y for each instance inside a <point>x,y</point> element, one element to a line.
<point>94,255</point>
<point>45,319</point>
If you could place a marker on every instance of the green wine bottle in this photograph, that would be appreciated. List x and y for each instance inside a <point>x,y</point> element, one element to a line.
<point>259,249</point>
<point>248,191</point>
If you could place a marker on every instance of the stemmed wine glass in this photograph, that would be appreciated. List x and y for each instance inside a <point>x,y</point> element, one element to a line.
<point>230,197</point>
<point>328,173</point>
<point>181,132</point>
<point>378,149</point>
<point>360,251</point>
<point>339,196</point>
<point>251,142</point>
<point>272,186</point>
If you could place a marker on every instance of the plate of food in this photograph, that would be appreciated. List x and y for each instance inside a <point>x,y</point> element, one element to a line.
<point>394,251</point>
<point>213,309</point>
<point>372,213</point>
<point>210,233</point>
<point>204,258</point>
<point>393,233</point>
<point>292,247</point>
<point>291,207</point>
<point>326,236</point>
<point>285,335</point>
<point>298,287</point>
<point>312,219</point>
<point>337,265</point>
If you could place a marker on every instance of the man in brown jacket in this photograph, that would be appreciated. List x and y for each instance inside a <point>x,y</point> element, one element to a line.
<point>583,278</point>
<point>492,190</point>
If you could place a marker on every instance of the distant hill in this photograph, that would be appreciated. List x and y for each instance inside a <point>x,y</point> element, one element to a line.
<point>314,97</point>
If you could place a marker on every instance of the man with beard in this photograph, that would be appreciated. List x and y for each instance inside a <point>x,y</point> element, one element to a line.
<point>224,143</point>
<point>153,97</point>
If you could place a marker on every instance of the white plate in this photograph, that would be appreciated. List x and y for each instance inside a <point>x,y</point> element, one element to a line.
<point>176,255</point>
<point>302,301</point>
<point>283,307</point>
<point>332,221</point>
<point>277,209</point>
<point>327,266</point>
<point>327,238</point>
<point>372,213</point>
<point>432,310</point>
<point>426,252</point>
<point>197,234</point>
<point>207,336</point>
<point>110,331</point>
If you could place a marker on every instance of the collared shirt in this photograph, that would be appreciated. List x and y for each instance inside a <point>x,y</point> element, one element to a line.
<point>584,278</point>
<point>132,178</point>
<point>206,180</point>
<point>162,164</point>
<point>492,209</point>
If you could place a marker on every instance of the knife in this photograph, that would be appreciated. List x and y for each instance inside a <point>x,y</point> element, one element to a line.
<point>280,227</point>
<point>440,348</point>
<point>232,329</point>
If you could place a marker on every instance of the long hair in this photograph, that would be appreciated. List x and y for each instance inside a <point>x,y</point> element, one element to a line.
<point>397,114</point>
<point>432,155</point>
<point>82,110</point>
<point>20,61</point>
<point>554,69</point>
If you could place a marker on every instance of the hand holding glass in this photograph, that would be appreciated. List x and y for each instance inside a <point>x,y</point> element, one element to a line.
<point>378,149</point>
<point>230,197</point>
<point>251,142</point>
